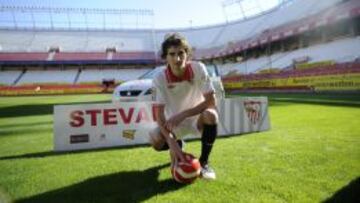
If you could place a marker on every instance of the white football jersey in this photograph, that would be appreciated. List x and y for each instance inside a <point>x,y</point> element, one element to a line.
<point>179,94</point>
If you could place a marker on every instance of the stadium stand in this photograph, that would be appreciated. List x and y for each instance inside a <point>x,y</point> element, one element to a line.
<point>47,77</point>
<point>72,56</point>
<point>339,51</point>
<point>98,75</point>
<point>23,56</point>
<point>280,23</point>
<point>9,77</point>
<point>280,19</point>
<point>292,40</point>
<point>93,41</point>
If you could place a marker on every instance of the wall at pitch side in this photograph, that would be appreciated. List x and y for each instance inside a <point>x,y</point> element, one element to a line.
<point>87,126</point>
<point>342,82</point>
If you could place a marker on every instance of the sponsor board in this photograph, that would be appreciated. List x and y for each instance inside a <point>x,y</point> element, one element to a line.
<point>340,81</point>
<point>86,126</point>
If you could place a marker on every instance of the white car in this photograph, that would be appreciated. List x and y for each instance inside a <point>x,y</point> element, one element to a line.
<point>140,89</point>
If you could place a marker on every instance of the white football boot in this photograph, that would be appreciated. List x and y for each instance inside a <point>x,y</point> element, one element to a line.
<point>207,172</point>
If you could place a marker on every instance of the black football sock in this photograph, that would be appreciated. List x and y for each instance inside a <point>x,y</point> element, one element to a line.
<point>180,143</point>
<point>207,140</point>
<point>166,146</point>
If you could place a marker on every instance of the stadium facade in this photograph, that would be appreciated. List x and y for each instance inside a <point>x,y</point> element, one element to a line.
<point>300,45</point>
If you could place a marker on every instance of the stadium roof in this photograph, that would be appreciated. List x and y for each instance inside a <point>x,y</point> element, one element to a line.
<point>138,14</point>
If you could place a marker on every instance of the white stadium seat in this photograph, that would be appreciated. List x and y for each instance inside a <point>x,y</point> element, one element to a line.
<point>149,40</point>
<point>339,51</point>
<point>98,75</point>
<point>144,44</point>
<point>48,76</point>
<point>9,77</point>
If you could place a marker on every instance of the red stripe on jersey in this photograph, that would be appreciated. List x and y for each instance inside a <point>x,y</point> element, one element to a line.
<point>187,76</point>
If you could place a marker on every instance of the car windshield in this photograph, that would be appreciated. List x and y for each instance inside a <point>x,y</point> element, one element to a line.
<point>150,74</point>
<point>212,71</point>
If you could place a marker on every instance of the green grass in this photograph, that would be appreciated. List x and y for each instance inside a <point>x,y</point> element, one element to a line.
<point>311,154</point>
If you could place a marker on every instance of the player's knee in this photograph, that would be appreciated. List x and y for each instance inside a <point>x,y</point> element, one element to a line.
<point>156,141</point>
<point>210,117</point>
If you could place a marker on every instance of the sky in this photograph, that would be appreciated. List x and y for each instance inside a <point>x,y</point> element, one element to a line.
<point>167,13</point>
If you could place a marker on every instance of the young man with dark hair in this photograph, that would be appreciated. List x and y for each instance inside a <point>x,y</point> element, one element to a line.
<point>185,100</point>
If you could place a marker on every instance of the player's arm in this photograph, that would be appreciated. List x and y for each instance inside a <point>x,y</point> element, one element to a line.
<point>176,152</point>
<point>158,97</point>
<point>209,102</point>
<point>160,115</point>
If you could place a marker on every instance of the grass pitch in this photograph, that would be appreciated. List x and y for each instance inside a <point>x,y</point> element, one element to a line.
<point>311,154</point>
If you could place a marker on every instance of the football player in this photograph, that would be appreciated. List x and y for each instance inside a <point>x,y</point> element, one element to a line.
<point>185,99</point>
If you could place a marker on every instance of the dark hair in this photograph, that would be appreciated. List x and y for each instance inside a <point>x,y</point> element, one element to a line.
<point>176,40</point>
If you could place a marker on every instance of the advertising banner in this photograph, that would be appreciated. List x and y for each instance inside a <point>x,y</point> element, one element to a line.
<point>87,126</point>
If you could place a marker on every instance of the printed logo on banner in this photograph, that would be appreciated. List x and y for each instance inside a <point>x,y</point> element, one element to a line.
<point>85,121</point>
<point>102,137</point>
<point>81,138</point>
<point>129,134</point>
<point>111,116</point>
<point>253,111</point>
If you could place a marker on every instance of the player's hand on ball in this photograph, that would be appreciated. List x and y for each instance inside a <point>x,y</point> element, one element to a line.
<point>176,153</point>
<point>186,171</point>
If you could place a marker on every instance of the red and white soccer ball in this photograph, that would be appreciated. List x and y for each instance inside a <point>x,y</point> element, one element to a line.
<point>188,171</point>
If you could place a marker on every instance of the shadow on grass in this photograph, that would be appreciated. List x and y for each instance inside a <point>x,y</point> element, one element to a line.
<point>35,109</point>
<point>60,153</point>
<point>347,194</point>
<point>26,110</point>
<point>20,125</point>
<point>4,133</point>
<point>128,186</point>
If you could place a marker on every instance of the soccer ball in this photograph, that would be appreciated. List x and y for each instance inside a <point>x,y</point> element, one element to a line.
<point>188,171</point>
